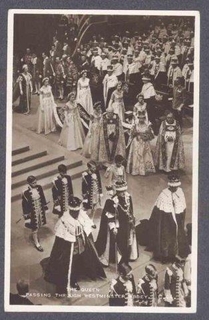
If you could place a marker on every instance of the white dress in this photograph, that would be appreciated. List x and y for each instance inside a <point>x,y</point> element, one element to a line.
<point>84,95</point>
<point>46,119</point>
<point>72,135</point>
<point>117,103</point>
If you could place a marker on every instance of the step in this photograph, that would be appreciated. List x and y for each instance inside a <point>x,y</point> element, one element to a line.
<point>31,155</point>
<point>20,150</point>
<point>46,182</point>
<point>35,164</point>
<point>43,172</point>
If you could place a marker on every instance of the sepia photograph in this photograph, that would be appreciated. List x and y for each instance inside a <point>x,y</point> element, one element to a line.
<point>102,161</point>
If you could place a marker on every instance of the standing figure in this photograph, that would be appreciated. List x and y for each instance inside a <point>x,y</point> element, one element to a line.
<point>174,71</point>
<point>149,94</point>
<point>175,288</point>
<point>59,78</point>
<point>62,190</point>
<point>36,73</point>
<point>26,59</point>
<point>115,172</point>
<point>71,73</point>
<point>123,290</point>
<point>179,100</point>
<point>167,236</point>
<point>73,253</point>
<point>140,160</point>
<point>91,188</point>
<point>48,70</point>
<point>111,138</point>
<point>26,88</point>
<point>34,207</point>
<point>169,151</point>
<point>140,108</point>
<point>91,144</point>
<point>110,81</point>
<point>84,93</point>
<point>46,118</point>
<point>116,241</point>
<point>147,288</point>
<point>116,101</point>
<point>132,78</point>
<point>72,135</point>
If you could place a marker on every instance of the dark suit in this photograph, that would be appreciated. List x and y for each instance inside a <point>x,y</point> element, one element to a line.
<point>16,299</point>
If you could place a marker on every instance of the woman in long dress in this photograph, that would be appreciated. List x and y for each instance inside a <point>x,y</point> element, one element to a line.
<point>72,135</point>
<point>84,93</point>
<point>140,108</point>
<point>91,143</point>
<point>116,101</point>
<point>169,151</point>
<point>140,160</point>
<point>46,119</point>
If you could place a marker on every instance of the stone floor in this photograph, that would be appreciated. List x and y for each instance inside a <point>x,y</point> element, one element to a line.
<point>25,260</point>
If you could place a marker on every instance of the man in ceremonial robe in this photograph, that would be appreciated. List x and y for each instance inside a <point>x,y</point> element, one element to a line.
<point>116,241</point>
<point>167,236</point>
<point>111,138</point>
<point>34,207</point>
<point>73,253</point>
<point>62,190</point>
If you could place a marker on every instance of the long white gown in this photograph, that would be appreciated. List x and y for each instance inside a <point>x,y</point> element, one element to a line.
<point>46,119</point>
<point>117,103</point>
<point>84,95</point>
<point>72,135</point>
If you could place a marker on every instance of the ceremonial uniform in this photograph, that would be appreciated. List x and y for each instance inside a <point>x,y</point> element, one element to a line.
<point>147,292</point>
<point>122,292</point>
<point>91,189</point>
<point>175,288</point>
<point>117,215</point>
<point>62,190</point>
<point>34,206</point>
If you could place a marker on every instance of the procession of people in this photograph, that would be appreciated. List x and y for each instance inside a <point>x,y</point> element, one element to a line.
<point>120,102</point>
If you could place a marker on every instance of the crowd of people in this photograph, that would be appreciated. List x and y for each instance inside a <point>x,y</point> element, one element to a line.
<point>111,97</point>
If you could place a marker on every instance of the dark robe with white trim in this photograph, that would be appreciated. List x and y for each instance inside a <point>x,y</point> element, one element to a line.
<point>167,236</point>
<point>73,253</point>
<point>118,213</point>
